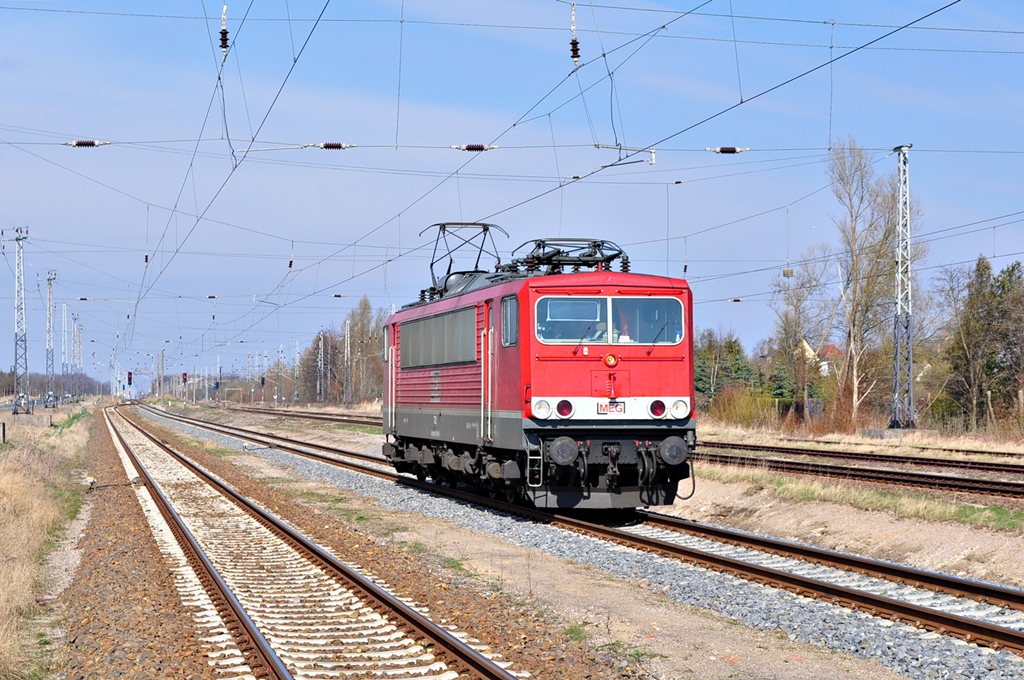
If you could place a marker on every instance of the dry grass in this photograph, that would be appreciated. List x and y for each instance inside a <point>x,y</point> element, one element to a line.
<point>906,505</point>
<point>913,442</point>
<point>38,495</point>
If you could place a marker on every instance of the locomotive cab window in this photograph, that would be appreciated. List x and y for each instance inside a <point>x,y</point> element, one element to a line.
<point>509,321</point>
<point>570,320</point>
<point>647,321</point>
<point>610,320</point>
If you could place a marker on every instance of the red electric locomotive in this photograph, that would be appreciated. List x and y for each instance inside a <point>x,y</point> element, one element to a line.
<point>552,379</point>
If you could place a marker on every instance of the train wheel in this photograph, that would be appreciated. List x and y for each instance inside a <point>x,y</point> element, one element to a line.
<point>421,474</point>
<point>511,495</point>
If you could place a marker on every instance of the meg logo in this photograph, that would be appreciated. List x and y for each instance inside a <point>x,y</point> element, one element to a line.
<point>604,408</point>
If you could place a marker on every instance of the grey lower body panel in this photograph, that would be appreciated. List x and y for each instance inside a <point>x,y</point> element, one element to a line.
<point>460,426</point>
<point>601,499</point>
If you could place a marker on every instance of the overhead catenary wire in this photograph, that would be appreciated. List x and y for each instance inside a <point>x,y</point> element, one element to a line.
<point>466,175</point>
<point>727,109</point>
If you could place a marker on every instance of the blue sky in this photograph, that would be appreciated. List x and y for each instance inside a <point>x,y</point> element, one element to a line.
<point>144,76</point>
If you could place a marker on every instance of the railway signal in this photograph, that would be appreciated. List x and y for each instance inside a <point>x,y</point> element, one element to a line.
<point>184,378</point>
<point>129,378</point>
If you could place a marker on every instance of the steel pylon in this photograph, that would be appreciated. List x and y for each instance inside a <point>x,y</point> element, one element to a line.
<point>21,386</point>
<point>51,386</point>
<point>902,342</point>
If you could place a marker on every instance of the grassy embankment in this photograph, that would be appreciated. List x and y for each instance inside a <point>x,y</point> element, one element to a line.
<point>40,491</point>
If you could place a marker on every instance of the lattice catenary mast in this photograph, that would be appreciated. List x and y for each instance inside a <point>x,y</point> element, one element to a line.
<point>64,386</point>
<point>51,387</point>
<point>21,387</point>
<point>320,370</point>
<point>903,348</point>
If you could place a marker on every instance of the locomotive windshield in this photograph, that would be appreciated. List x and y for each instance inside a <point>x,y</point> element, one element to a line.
<point>644,321</point>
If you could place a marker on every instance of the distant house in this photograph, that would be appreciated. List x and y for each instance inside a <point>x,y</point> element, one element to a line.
<point>828,359</point>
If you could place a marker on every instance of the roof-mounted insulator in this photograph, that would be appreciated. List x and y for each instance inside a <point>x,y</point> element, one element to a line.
<point>333,145</point>
<point>224,34</point>
<point>85,142</point>
<point>625,264</point>
<point>728,149</point>
<point>574,44</point>
<point>474,147</point>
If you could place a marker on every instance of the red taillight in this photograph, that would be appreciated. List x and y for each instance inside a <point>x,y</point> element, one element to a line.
<point>657,408</point>
<point>610,360</point>
<point>564,408</point>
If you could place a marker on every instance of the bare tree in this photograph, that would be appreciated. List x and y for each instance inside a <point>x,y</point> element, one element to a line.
<point>866,266</point>
<point>804,320</point>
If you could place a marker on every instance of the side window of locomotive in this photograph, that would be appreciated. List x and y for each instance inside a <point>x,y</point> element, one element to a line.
<point>446,339</point>
<point>570,320</point>
<point>509,321</point>
<point>647,321</point>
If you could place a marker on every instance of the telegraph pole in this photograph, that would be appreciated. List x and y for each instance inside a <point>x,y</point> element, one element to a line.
<point>903,348</point>
<point>51,385</point>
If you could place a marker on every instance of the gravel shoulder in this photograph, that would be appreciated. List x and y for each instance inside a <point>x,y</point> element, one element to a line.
<point>120,611</point>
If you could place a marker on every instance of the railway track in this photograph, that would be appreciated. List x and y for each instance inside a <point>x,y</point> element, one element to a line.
<point>972,465</point>
<point>987,614</point>
<point>930,480</point>
<point>347,418</point>
<point>303,612</point>
<point>899,477</point>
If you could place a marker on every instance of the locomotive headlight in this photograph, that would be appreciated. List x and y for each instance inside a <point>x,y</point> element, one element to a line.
<point>541,409</point>
<point>611,360</point>
<point>673,450</point>
<point>563,451</point>
<point>680,408</point>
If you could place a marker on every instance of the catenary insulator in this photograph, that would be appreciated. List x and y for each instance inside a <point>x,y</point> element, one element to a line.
<point>333,145</point>
<point>574,46</point>
<point>85,142</point>
<point>473,147</point>
<point>727,149</point>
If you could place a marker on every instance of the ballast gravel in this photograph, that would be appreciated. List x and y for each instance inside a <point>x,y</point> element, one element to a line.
<point>910,651</point>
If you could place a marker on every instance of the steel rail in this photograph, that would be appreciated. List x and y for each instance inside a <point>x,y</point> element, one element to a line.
<point>464,656</point>
<point>989,593</point>
<point>370,421</point>
<point>962,627</point>
<point>865,474</point>
<point>901,574</point>
<point>971,630</point>
<point>279,442</point>
<point>251,643</point>
<point>792,450</point>
<point>978,465</point>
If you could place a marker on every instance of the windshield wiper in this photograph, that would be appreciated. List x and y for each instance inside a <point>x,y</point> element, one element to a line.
<point>655,341</point>
<point>584,337</point>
